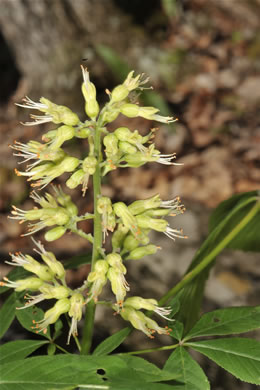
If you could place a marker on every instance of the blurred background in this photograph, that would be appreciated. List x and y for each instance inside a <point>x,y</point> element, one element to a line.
<point>203,60</point>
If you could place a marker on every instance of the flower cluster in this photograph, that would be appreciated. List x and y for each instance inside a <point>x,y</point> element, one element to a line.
<point>49,281</point>
<point>130,225</point>
<point>58,210</point>
<point>123,148</point>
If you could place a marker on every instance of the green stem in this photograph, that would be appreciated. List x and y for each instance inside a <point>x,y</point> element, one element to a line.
<point>141,352</point>
<point>211,256</point>
<point>97,244</point>
<point>82,234</point>
<point>62,349</point>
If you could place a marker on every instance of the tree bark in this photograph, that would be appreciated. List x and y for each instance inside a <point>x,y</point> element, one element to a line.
<point>49,39</point>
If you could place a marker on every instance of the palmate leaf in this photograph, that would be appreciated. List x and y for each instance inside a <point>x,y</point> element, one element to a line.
<point>17,350</point>
<point>232,320</point>
<point>7,313</point>
<point>239,356</point>
<point>27,318</point>
<point>65,371</point>
<point>190,372</point>
<point>112,342</point>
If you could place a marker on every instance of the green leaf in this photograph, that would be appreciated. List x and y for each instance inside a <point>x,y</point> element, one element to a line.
<point>177,329</point>
<point>7,313</point>
<point>248,238</point>
<point>65,371</point>
<point>18,350</point>
<point>190,298</point>
<point>239,356</point>
<point>112,342</point>
<point>190,372</point>
<point>27,318</point>
<point>57,329</point>
<point>148,371</point>
<point>78,260</point>
<point>175,306</point>
<point>227,321</point>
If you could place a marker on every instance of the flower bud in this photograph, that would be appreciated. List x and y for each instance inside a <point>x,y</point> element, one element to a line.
<point>130,243</point>
<point>52,315</point>
<point>55,266</point>
<point>69,164</point>
<point>65,201</point>
<point>76,304</point>
<point>89,93</point>
<point>119,93</point>
<point>137,319</point>
<point>82,132</point>
<point>130,110</point>
<point>122,211</point>
<point>31,265</point>
<point>123,133</point>
<point>44,273</point>
<point>147,112</point>
<point>142,251</point>
<point>110,115</point>
<point>98,278</point>
<point>89,165</point>
<point>88,88</point>
<point>118,284</point>
<point>136,160</point>
<point>138,303</point>
<point>115,261</point>
<point>118,237</point>
<point>54,292</point>
<point>32,215</point>
<point>92,109</point>
<point>49,136</point>
<point>52,155</point>
<point>132,83</point>
<point>64,133</point>
<point>157,212</point>
<point>75,179</point>
<point>141,322</point>
<point>58,216</point>
<point>104,204</point>
<point>139,206</point>
<point>101,267</point>
<point>145,222</point>
<point>55,233</point>
<point>104,207</point>
<point>32,283</point>
<point>59,113</point>
<point>111,143</point>
<point>126,147</point>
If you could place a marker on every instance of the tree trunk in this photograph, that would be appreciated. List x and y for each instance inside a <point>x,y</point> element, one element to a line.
<point>49,39</point>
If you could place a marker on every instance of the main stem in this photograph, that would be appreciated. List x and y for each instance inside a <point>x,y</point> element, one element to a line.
<point>97,244</point>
